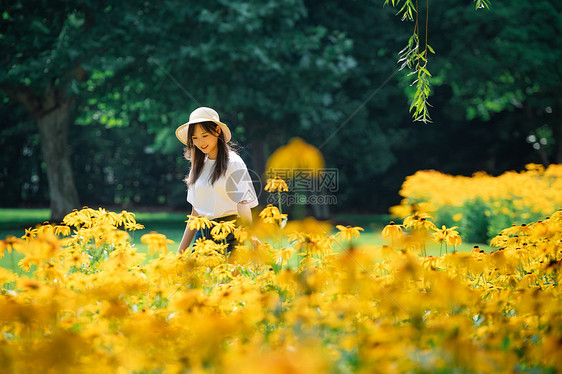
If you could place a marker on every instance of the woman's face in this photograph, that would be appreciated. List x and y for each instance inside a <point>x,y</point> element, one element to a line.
<point>206,141</point>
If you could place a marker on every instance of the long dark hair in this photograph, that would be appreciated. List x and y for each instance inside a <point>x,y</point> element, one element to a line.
<point>197,157</point>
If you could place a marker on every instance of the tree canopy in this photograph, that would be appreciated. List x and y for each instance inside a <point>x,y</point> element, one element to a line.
<point>118,78</point>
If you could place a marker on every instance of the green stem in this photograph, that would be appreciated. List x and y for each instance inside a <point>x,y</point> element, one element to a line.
<point>279,201</point>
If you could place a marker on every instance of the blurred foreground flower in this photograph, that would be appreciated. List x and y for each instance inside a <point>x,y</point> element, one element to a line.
<point>295,155</point>
<point>157,243</point>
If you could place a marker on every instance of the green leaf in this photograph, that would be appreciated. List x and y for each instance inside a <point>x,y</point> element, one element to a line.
<point>38,25</point>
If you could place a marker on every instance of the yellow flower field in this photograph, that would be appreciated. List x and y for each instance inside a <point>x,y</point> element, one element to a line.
<point>92,304</point>
<point>482,205</point>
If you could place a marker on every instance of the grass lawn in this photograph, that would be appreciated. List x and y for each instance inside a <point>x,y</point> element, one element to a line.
<point>15,221</point>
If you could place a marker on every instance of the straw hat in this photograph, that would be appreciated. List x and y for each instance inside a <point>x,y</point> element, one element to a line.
<point>202,114</point>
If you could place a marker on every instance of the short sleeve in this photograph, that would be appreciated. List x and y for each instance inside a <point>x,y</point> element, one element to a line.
<point>190,195</point>
<point>239,185</point>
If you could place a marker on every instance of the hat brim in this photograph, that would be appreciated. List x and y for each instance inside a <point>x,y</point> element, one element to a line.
<point>181,131</point>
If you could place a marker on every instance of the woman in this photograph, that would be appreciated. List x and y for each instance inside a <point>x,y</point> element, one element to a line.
<point>219,186</point>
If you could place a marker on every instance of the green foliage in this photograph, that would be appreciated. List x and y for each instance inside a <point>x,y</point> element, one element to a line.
<point>483,220</point>
<point>423,88</point>
<point>408,8</point>
<point>415,59</point>
<point>475,221</point>
<point>507,65</point>
<point>506,212</point>
<point>20,161</point>
<point>280,69</point>
<point>444,216</point>
<point>124,169</point>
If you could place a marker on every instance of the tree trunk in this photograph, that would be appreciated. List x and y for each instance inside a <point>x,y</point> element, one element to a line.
<point>51,110</point>
<point>53,128</point>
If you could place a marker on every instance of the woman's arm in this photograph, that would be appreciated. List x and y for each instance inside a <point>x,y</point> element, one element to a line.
<point>245,213</point>
<point>246,217</point>
<point>188,234</point>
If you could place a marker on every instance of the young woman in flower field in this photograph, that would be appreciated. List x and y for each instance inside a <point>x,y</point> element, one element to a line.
<point>219,186</point>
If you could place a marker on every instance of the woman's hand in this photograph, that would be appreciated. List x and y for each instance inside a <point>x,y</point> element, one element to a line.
<point>188,234</point>
<point>255,242</point>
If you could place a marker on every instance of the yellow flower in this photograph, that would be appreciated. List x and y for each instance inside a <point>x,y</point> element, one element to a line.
<point>26,262</point>
<point>316,245</point>
<point>84,217</point>
<point>440,236</point>
<point>284,254</point>
<point>49,270</point>
<point>454,239</point>
<point>77,259</point>
<point>29,234</point>
<point>127,217</point>
<point>107,217</point>
<point>62,230</point>
<point>477,249</point>
<point>198,223</point>
<point>241,234</point>
<point>524,229</point>
<point>7,276</point>
<point>222,229</point>
<point>276,184</point>
<point>392,231</point>
<point>45,228</point>
<point>401,211</point>
<point>157,243</point>
<point>347,232</point>
<point>414,219</point>
<point>447,235</point>
<point>307,227</point>
<point>132,226</point>
<point>499,241</point>
<point>72,219</point>
<point>539,228</point>
<point>271,214</point>
<point>208,253</point>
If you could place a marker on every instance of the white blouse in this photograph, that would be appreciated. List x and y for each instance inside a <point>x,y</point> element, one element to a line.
<point>221,198</point>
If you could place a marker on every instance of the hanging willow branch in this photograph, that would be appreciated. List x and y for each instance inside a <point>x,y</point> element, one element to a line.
<point>414,59</point>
